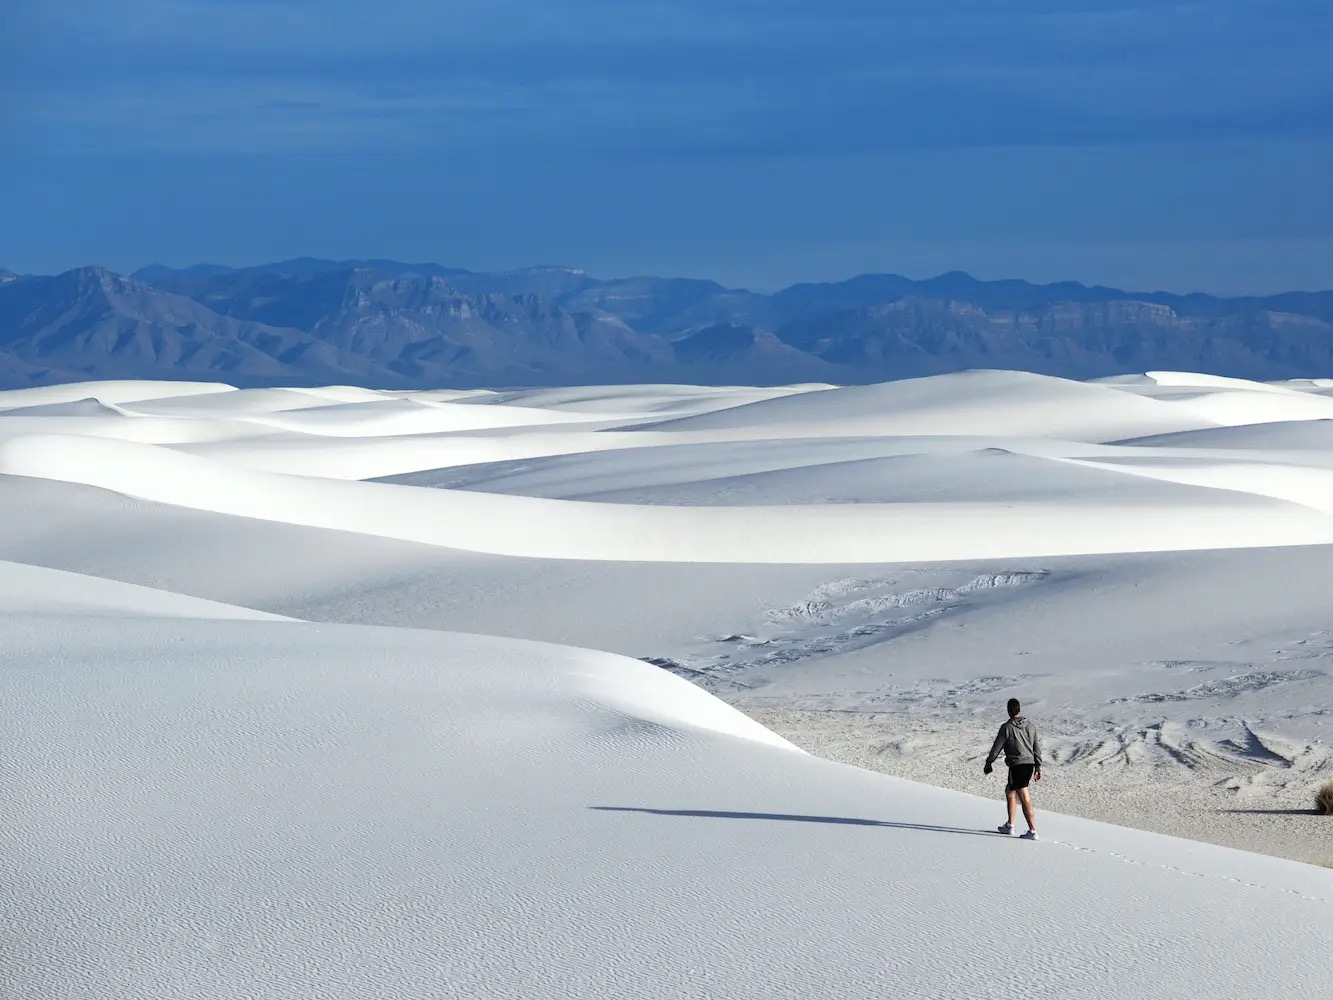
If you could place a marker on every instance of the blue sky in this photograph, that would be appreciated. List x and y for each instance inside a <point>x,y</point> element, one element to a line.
<point>760,142</point>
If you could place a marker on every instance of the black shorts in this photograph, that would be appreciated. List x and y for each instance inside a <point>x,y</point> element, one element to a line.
<point>1020,776</point>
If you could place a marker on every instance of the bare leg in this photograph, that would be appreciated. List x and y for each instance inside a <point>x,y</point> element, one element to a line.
<point>1025,797</point>
<point>1010,800</point>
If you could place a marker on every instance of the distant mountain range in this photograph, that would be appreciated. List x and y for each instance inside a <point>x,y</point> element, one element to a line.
<point>394,325</point>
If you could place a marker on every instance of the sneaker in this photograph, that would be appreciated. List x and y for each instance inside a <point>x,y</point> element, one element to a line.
<point>1007,829</point>
<point>1030,835</point>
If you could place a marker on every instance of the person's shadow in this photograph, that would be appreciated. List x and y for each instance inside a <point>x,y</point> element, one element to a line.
<point>791,818</point>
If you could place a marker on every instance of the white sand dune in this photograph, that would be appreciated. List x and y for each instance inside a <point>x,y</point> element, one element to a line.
<point>967,403</point>
<point>34,590</point>
<point>128,427</point>
<point>1316,385</point>
<point>1235,407</point>
<point>587,471</point>
<point>233,403</point>
<point>991,407</point>
<point>643,400</point>
<point>78,408</point>
<point>770,473</point>
<point>106,392</point>
<point>1200,380</point>
<point>1298,484</point>
<point>225,776</point>
<point>1286,435</point>
<point>279,810</point>
<point>381,457</point>
<point>528,526</point>
<point>389,417</point>
<point>377,457</point>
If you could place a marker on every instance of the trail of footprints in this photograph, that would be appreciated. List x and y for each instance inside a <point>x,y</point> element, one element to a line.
<point>1184,871</point>
<point>835,617</point>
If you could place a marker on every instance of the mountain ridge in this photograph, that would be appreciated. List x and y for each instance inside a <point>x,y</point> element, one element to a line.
<point>955,284</point>
<point>392,324</point>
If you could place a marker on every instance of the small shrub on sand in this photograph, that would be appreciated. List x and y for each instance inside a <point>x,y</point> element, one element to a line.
<point>1323,799</point>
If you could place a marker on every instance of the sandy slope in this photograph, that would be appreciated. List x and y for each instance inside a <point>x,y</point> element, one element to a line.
<point>253,809</point>
<point>213,804</point>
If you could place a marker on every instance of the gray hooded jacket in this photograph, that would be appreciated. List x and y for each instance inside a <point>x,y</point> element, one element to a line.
<point>1019,740</point>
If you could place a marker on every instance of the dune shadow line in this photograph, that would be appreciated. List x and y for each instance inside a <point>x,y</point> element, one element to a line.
<point>795,818</point>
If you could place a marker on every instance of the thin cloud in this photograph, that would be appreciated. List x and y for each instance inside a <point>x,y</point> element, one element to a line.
<point>726,75</point>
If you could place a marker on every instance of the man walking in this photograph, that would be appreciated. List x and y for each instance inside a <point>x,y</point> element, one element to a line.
<point>1022,752</point>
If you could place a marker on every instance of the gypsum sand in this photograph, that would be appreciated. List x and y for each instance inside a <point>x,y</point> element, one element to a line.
<point>1250,807</point>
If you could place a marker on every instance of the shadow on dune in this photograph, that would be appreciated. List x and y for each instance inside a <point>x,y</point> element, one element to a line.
<point>790,818</point>
<point>1270,812</point>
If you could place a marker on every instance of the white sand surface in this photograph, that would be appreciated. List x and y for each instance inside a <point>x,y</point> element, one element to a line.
<point>1239,794</point>
<point>250,809</point>
<point>973,402</point>
<point>107,392</point>
<point>248,750</point>
<point>1274,436</point>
